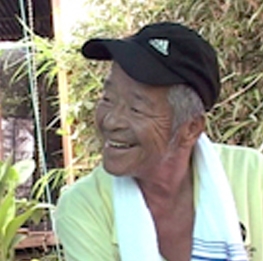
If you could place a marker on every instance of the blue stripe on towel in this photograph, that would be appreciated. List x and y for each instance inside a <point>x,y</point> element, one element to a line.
<point>208,258</point>
<point>217,250</point>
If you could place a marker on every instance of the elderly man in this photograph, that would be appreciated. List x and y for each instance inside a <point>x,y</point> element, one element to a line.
<point>163,191</point>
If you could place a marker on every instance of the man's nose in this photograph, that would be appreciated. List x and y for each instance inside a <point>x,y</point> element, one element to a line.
<point>115,119</point>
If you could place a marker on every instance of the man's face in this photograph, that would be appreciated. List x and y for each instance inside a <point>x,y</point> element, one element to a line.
<point>135,122</point>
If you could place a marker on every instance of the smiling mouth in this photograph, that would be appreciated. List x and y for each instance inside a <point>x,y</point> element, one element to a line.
<point>119,145</point>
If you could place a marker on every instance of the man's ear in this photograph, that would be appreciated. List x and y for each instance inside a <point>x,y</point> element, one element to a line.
<point>191,130</point>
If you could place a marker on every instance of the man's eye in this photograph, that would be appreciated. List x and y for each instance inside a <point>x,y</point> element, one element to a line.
<point>106,99</point>
<point>135,110</point>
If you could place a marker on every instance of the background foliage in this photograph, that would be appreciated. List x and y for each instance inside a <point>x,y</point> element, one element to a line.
<point>15,98</point>
<point>15,213</point>
<point>234,28</point>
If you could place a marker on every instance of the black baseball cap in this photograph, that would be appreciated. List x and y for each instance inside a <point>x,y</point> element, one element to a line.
<point>163,54</point>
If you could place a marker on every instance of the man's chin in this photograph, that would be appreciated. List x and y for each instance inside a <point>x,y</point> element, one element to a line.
<point>116,169</point>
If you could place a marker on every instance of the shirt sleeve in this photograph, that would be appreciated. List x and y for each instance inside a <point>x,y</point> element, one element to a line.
<point>83,224</point>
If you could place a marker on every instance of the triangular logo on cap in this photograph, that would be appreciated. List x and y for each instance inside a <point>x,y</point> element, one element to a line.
<point>160,45</point>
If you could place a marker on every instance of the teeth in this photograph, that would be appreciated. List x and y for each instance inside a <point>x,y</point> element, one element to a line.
<point>118,144</point>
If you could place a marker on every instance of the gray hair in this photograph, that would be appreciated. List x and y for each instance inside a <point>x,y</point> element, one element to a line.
<point>186,104</point>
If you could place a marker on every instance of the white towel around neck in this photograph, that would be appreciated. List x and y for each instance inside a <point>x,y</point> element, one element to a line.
<point>216,235</point>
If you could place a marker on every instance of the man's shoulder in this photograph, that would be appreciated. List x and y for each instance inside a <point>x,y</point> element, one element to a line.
<point>240,159</point>
<point>244,169</point>
<point>226,148</point>
<point>97,180</point>
<point>90,192</point>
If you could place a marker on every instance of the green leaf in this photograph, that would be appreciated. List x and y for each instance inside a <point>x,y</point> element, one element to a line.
<point>230,132</point>
<point>16,240</point>
<point>255,16</point>
<point>7,211</point>
<point>17,222</point>
<point>9,178</point>
<point>37,216</point>
<point>39,186</point>
<point>19,74</point>
<point>13,227</point>
<point>25,169</point>
<point>4,166</point>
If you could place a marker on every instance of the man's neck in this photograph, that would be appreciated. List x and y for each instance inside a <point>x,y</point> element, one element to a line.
<point>170,182</point>
<point>169,198</point>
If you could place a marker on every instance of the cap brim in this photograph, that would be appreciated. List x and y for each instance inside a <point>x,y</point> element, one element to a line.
<point>137,62</point>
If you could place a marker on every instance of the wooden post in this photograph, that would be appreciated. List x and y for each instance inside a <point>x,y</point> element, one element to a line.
<point>63,94</point>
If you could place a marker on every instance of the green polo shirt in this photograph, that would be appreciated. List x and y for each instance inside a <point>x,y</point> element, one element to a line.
<point>84,215</point>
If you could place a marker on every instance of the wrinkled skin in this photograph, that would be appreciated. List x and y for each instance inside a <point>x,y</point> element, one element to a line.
<point>138,118</point>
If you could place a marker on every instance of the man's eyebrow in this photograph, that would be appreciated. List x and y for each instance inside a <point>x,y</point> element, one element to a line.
<point>107,83</point>
<point>142,98</point>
